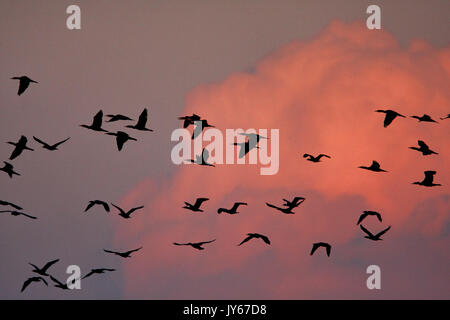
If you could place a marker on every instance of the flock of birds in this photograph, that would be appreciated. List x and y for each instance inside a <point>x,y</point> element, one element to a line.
<point>199,124</point>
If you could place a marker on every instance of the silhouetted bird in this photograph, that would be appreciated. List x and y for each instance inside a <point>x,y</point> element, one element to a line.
<point>375,166</point>
<point>188,120</point>
<point>59,284</point>
<point>369,213</point>
<point>423,148</point>
<point>9,169</point>
<point>7,203</point>
<point>199,125</point>
<point>97,271</point>
<point>317,245</point>
<point>233,209</point>
<point>428,180</point>
<point>97,202</point>
<point>43,271</point>
<point>19,147</point>
<point>255,236</point>
<point>126,215</point>
<point>196,245</point>
<point>24,82</point>
<point>125,254</point>
<point>96,123</point>
<point>142,121</point>
<point>446,117</point>
<point>196,206</point>
<point>376,237</point>
<point>390,116</point>
<point>121,138</point>
<point>288,204</point>
<point>17,213</point>
<point>33,279</point>
<point>117,117</point>
<point>251,143</point>
<point>424,118</point>
<point>47,146</point>
<point>315,159</point>
<point>202,159</point>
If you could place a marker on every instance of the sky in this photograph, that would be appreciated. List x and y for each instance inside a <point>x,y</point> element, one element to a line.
<point>312,70</point>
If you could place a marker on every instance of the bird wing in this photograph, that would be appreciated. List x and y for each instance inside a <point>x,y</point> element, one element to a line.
<point>366,231</point>
<point>6,203</point>
<point>314,248</point>
<point>422,144</point>
<point>27,283</point>
<point>362,217</point>
<point>59,143</point>
<point>429,176</point>
<point>118,208</point>
<point>324,155</point>
<point>56,281</point>
<point>245,240</point>
<point>328,248</point>
<point>105,206</point>
<point>197,130</point>
<point>389,118</point>
<point>23,85</point>
<point>134,209</point>
<point>134,250</point>
<point>16,152</point>
<point>205,242</point>
<point>199,202</point>
<point>273,206</point>
<point>181,244</point>
<point>88,275</point>
<point>186,123</point>
<point>49,264</point>
<point>40,141</point>
<point>205,155</point>
<point>379,234</point>
<point>90,205</point>
<point>120,140</point>
<point>109,251</point>
<point>142,119</point>
<point>375,165</point>
<point>265,239</point>
<point>27,215</point>
<point>98,118</point>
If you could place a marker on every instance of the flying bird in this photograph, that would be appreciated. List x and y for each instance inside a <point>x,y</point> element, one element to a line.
<point>19,147</point>
<point>196,206</point>
<point>423,147</point>
<point>424,118</point>
<point>142,121</point>
<point>188,120</point>
<point>96,123</point>
<point>126,215</point>
<point>428,180</point>
<point>33,279</point>
<point>446,117</point>
<point>43,271</point>
<point>289,205</point>
<point>373,237</point>
<point>117,117</point>
<point>50,147</point>
<point>233,209</point>
<point>18,213</point>
<point>9,169</point>
<point>375,166</point>
<point>249,144</point>
<point>202,159</point>
<point>315,159</point>
<point>98,271</point>
<point>255,236</point>
<point>369,213</point>
<point>199,125</point>
<point>121,138</point>
<point>126,254</point>
<point>7,203</point>
<point>24,82</point>
<point>195,245</point>
<point>390,116</point>
<point>97,202</point>
<point>317,245</point>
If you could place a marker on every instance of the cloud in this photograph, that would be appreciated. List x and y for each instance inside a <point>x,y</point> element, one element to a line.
<point>321,94</point>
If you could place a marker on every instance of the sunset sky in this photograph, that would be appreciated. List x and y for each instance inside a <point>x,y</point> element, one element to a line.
<point>310,69</point>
